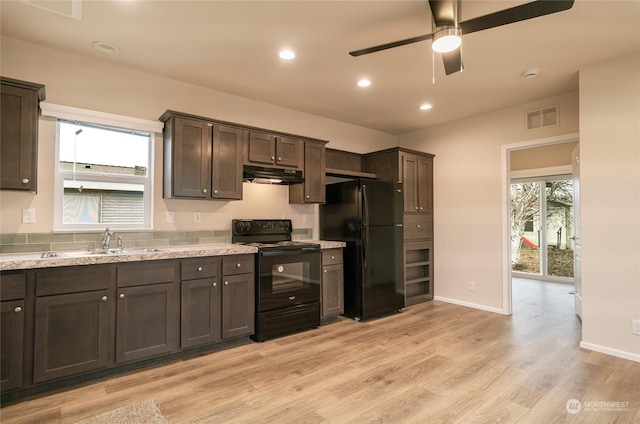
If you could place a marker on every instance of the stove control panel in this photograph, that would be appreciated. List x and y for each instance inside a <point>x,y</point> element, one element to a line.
<point>261,226</point>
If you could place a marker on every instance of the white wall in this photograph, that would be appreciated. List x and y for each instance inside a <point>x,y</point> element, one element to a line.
<point>76,81</point>
<point>468,196</point>
<point>610,179</point>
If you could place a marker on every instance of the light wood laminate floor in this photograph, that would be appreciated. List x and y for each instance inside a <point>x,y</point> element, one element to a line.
<point>432,363</point>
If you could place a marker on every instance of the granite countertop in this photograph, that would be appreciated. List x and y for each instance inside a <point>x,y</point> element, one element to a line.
<point>35,260</point>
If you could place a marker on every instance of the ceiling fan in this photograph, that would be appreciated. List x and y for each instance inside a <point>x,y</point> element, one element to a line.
<point>447,35</point>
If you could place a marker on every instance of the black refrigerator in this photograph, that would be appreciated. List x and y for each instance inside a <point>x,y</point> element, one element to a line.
<point>367,215</point>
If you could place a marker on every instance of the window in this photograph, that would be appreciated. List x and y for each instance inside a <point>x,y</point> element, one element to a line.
<point>103,171</point>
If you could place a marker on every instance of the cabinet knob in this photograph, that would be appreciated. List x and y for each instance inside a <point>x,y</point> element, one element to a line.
<point>103,298</point>
<point>215,191</point>
<point>279,158</point>
<point>204,190</point>
<point>17,309</point>
<point>324,270</point>
<point>238,265</point>
<point>214,284</point>
<point>416,208</point>
<point>121,296</point>
<point>273,158</point>
<point>25,181</point>
<point>332,257</point>
<point>418,225</point>
<point>421,208</point>
<point>199,269</point>
<point>226,283</point>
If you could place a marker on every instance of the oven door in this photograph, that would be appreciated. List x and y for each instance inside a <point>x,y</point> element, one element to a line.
<point>288,278</point>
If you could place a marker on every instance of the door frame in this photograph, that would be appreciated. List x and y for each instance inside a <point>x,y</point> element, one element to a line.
<point>505,163</point>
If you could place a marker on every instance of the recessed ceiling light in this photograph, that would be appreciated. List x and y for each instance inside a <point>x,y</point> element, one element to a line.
<point>425,106</point>
<point>287,54</point>
<point>106,47</point>
<point>530,73</point>
<point>364,83</point>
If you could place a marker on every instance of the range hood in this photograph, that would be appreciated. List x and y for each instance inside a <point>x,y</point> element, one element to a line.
<point>257,174</point>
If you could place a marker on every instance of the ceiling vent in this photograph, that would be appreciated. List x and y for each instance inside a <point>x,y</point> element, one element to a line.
<point>68,8</point>
<point>542,118</point>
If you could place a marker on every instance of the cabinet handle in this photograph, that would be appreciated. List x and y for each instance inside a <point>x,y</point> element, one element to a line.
<point>204,190</point>
<point>17,309</point>
<point>214,284</point>
<point>25,181</point>
<point>226,283</point>
<point>238,265</point>
<point>121,296</point>
<point>103,298</point>
<point>199,269</point>
<point>215,191</point>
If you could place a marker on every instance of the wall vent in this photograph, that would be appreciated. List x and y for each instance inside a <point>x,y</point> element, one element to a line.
<point>68,8</point>
<point>542,118</point>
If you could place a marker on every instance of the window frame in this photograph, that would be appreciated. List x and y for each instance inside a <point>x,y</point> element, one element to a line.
<point>70,114</point>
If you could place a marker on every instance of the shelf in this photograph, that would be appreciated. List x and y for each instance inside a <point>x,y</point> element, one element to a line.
<point>417,280</point>
<point>348,173</point>
<point>412,264</point>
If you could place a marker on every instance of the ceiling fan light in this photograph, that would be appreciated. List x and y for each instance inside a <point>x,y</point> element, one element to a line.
<point>446,40</point>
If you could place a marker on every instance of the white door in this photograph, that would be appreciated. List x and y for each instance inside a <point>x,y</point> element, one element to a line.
<point>577,242</point>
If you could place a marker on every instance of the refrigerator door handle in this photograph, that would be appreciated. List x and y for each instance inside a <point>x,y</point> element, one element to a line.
<point>365,224</point>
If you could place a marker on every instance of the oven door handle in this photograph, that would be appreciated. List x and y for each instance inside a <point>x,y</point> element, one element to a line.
<point>300,251</point>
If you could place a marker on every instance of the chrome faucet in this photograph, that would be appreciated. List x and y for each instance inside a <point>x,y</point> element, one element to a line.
<point>106,239</point>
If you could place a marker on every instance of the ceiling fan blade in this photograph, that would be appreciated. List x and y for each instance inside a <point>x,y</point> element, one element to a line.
<point>452,62</point>
<point>443,12</point>
<point>515,14</point>
<point>391,45</point>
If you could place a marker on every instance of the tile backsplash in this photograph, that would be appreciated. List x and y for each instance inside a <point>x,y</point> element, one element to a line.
<point>46,242</point>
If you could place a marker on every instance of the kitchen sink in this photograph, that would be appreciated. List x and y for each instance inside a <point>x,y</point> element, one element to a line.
<point>101,252</point>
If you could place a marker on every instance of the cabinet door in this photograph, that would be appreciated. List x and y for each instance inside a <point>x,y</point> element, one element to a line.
<point>261,148</point>
<point>227,163</point>
<point>289,152</point>
<point>425,185</point>
<point>410,182</point>
<point>11,349</point>
<point>314,173</point>
<point>148,321</point>
<point>238,305</point>
<point>18,138</point>
<point>190,167</point>
<point>332,290</point>
<point>71,334</point>
<point>200,312</point>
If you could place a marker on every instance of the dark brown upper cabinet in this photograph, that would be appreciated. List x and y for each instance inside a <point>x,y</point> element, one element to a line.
<point>19,134</point>
<point>312,190</point>
<point>202,159</point>
<point>264,149</point>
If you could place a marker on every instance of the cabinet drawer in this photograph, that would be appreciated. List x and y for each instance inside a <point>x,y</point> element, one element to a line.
<point>195,268</point>
<point>12,286</point>
<point>149,272</point>
<point>331,256</point>
<point>74,279</point>
<point>418,227</point>
<point>240,264</point>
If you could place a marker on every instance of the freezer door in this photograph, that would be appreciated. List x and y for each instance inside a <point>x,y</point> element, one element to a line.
<point>382,202</point>
<point>340,216</point>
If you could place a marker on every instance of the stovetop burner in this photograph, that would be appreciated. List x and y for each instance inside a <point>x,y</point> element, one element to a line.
<point>267,234</point>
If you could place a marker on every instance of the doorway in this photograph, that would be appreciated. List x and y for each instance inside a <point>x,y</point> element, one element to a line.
<point>542,227</point>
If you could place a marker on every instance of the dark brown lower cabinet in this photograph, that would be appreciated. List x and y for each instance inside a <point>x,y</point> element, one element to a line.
<point>71,334</point>
<point>147,320</point>
<point>238,307</point>
<point>332,283</point>
<point>12,344</point>
<point>200,312</point>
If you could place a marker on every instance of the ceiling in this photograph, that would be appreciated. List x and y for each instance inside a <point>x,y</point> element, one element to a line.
<point>232,46</point>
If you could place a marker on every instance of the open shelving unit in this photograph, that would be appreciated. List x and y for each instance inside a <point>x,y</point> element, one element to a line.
<point>418,260</point>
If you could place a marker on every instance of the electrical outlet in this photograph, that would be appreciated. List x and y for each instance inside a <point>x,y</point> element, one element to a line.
<point>197,217</point>
<point>29,216</point>
<point>635,326</point>
<point>472,286</point>
<point>171,217</point>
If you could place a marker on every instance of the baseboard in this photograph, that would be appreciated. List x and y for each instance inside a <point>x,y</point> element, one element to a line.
<point>471,305</point>
<point>610,351</point>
